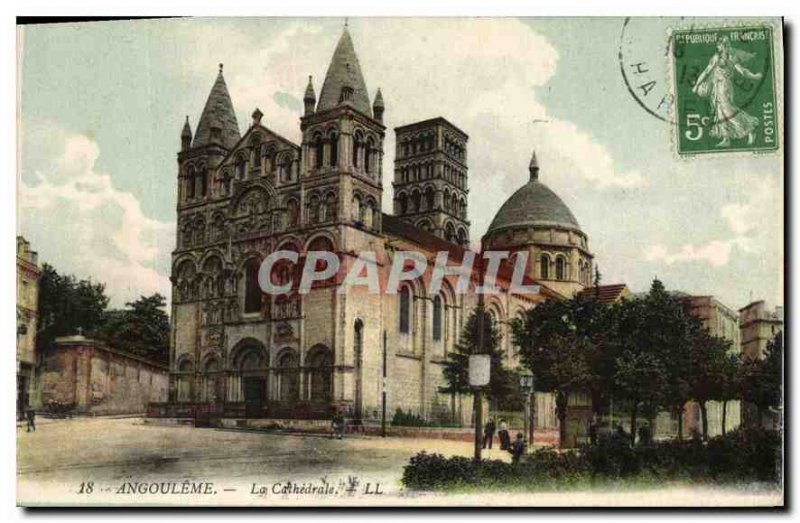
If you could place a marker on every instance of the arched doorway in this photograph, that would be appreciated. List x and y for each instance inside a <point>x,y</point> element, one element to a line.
<point>251,362</point>
<point>288,376</point>
<point>319,363</point>
<point>358,350</point>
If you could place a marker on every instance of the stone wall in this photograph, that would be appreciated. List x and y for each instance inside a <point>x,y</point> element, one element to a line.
<point>99,380</point>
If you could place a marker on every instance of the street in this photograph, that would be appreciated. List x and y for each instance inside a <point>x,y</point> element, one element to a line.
<point>115,460</point>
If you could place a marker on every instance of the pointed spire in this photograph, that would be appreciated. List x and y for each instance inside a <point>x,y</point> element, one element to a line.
<point>533,168</point>
<point>344,82</point>
<point>218,122</point>
<point>186,135</point>
<point>310,94</point>
<point>310,97</point>
<point>377,106</point>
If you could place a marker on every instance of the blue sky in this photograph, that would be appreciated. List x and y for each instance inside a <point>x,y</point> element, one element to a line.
<point>102,105</point>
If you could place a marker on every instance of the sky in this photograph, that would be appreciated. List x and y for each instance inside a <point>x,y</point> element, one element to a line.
<point>102,105</point>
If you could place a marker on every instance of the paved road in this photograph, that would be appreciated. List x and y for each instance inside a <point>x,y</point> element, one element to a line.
<point>120,455</point>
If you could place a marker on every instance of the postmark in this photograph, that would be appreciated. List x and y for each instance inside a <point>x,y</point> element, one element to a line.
<point>724,89</point>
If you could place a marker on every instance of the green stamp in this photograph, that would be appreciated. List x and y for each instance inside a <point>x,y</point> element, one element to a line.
<point>724,90</point>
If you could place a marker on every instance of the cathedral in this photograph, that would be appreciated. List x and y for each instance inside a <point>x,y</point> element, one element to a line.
<point>303,356</point>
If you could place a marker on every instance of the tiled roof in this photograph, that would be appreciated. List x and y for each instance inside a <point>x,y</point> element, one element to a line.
<point>218,112</point>
<point>394,226</point>
<point>606,293</point>
<point>344,71</point>
<point>534,204</point>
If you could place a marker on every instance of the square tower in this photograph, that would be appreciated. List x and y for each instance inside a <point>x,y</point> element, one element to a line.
<point>430,178</point>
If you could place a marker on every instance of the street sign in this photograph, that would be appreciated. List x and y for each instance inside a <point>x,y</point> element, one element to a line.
<point>479,365</point>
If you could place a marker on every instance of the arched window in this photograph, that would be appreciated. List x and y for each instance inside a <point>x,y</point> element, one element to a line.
<point>405,310</point>
<point>356,148</point>
<point>437,318</point>
<point>320,375</point>
<point>334,140</point>
<point>368,155</point>
<point>429,198</point>
<point>544,269</point>
<point>416,201</point>
<point>329,207</point>
<point>322,243</point>
<point>288,376</point>
<point>190,182</point>
<point>256,155</point>
<point>369,208</point>
<point>560,266</point>
<point>402,202</point>
<point>292,212</point>
<point>202,178</point>
<point>252,296</point>
<point>450,232</point>
<point>319,151</point>
<point>240,166</point>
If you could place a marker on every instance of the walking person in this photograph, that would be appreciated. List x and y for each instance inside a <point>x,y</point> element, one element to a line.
<point>31,417</point>
<point>518,448</point>
<point>505,439</point>
<point>488,433</point>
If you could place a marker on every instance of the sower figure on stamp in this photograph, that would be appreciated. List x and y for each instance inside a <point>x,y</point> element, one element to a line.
<point>488,433</point>
<point>716,83</point>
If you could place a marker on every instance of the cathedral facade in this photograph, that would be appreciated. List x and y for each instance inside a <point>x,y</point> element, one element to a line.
<point>294,355</point>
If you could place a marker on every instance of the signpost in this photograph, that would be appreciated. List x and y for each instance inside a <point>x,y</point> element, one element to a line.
<point>479,373</point>
<point>526,383</point>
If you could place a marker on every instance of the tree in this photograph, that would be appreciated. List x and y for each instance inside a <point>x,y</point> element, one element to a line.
<point>503,383</point>
<point>142,329</point>
<point>762,379</point>
<point>66,305</point>
<point>707,376</point>
<point>559,344</point>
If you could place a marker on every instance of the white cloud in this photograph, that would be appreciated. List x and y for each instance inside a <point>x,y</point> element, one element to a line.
<point>77,220</point>
<point>750,223</point>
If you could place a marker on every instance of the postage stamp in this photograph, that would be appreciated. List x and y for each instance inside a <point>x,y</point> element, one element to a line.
<point>724,90</point>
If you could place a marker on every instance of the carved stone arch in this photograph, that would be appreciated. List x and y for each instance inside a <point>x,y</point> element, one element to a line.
<point>244,348</point>
<point>184,258</point>
<point>185,363</point>
<point>290,243</point>
<point>319,374</point>
<point>321,235</point>
<point>425,224</point>
<point>209,356</point>
<point>257,199</point>
<point>449,231</point>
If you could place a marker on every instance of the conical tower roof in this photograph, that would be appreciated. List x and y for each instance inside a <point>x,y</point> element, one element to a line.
<point>344,72</point>
<point>218,112</point>
<point>187,129</point>
<point>378,99</point>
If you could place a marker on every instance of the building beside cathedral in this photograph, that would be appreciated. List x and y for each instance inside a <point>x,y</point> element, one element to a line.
<point>243,196</point>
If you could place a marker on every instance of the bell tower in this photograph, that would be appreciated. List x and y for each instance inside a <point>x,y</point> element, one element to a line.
<point>343,145</point>
<point>430,178</point>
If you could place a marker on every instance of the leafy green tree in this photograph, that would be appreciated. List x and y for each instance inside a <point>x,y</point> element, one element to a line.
<point>503,382</point>
<point>66,305</point>
<point>559,342</point>
<point>142,328</point>
<point>730,386</point>
<point>707,377</point>
<point>761,380</point>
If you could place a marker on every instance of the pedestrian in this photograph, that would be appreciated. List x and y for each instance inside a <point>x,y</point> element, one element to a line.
<point>337,425</point>
<point>505,439</point>
<point>645,435</point>
<point>518,448</point>
<point>488,433</point>
<point>31,416</point>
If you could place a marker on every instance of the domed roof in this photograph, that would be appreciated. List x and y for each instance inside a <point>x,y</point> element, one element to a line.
<point>533,204</point>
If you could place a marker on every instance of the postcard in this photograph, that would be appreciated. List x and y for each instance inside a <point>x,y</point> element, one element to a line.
<point>460,262</point>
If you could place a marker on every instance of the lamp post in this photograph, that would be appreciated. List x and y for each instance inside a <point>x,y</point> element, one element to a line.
<point>526,384</point>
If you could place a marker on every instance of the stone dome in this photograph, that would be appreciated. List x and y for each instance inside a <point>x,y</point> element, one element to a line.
<point>533,205</point>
